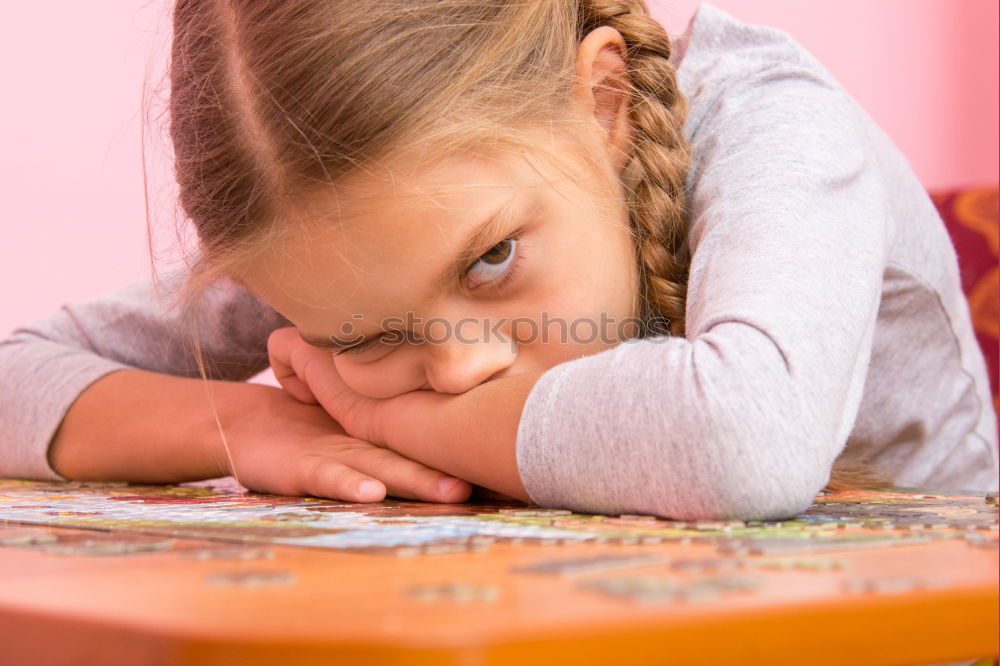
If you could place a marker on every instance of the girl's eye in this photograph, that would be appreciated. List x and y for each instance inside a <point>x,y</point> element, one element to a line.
<point>493,264</point>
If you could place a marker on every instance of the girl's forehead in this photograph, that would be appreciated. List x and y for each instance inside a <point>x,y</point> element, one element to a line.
<point>452,177</point>
<point>380,244</point>
<point>380,239</point>
<point>395,199</point>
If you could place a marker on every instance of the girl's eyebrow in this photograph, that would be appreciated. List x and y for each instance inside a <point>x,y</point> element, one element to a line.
<point>482,237</point>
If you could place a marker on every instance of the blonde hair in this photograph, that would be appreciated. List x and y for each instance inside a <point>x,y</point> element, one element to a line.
<point>272,99</point>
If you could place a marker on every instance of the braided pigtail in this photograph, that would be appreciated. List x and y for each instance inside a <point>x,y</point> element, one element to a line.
<point>654,181</point>
<point>655,174</point>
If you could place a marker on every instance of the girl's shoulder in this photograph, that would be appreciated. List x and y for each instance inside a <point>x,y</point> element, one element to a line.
<point>753,94</point>
<point>719,46</point>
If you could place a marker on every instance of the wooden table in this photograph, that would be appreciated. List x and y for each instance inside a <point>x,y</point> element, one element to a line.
<point>175,575</point>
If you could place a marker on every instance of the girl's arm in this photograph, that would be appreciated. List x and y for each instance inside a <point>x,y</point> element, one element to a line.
<point>745,416</point>
<point>148,427</point>
<point>74,379</point>
<point>115,431</point>
<point>472,434</point>
<point>46,365</point>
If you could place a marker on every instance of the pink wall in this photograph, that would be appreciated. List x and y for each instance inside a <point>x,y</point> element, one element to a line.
<point>926,70</point>
<point>71,170</point>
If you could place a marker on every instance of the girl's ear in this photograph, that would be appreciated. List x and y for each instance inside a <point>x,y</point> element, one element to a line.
<point>602,89</point>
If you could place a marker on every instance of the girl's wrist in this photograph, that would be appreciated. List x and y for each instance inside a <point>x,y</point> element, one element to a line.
<point>241,409</point>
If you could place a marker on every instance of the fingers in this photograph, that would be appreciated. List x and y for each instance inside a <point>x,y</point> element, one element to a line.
<point>280,345</point>
<point>310,376</point>
<point>323,477</point>
<point>353,471</point>
<point>407,478</point>
<point>304,450</point>
<point>296,388</point>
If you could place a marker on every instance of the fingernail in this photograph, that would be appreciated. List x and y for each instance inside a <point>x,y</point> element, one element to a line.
<point>445,486</point>
<point>370,489</point>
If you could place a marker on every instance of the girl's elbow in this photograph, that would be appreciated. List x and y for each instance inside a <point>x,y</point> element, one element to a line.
<point>771,469</point>
<point>780,481</point>
<point>760,502</point>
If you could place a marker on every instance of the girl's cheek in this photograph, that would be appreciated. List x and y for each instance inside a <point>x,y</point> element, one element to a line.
<point>390,375</point>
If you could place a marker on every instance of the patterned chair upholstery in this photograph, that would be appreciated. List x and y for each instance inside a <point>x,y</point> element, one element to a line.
<point>972,217</point>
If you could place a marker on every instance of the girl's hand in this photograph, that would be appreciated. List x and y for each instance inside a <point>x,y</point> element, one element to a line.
<point>472,435</point>
<point>311,376</point>
<point>325,459</point>
<point>285,447</point>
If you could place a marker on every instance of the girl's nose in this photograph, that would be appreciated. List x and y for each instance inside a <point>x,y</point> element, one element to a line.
<point>455,366</point>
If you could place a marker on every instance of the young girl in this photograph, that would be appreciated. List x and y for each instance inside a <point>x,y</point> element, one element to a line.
<point>531,246</point>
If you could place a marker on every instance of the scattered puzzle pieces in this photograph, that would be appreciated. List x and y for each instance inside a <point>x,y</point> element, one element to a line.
<point>546,565</point>
<point>106,548</point>
<point>238,554</point>
<point>223,512</point>
<point>646,590</point>
<point>454,592</point>
<point>251,579</point>
<point>582,566</point>
<point>98,545</point>
<point>782,546</point>
<point>892,584</point>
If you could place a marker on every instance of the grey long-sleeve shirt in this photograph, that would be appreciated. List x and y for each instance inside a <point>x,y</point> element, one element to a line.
<point>824,310</point>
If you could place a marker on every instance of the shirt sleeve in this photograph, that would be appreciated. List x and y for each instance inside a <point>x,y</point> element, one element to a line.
<point>744,417</point>
<point>45,366</point>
